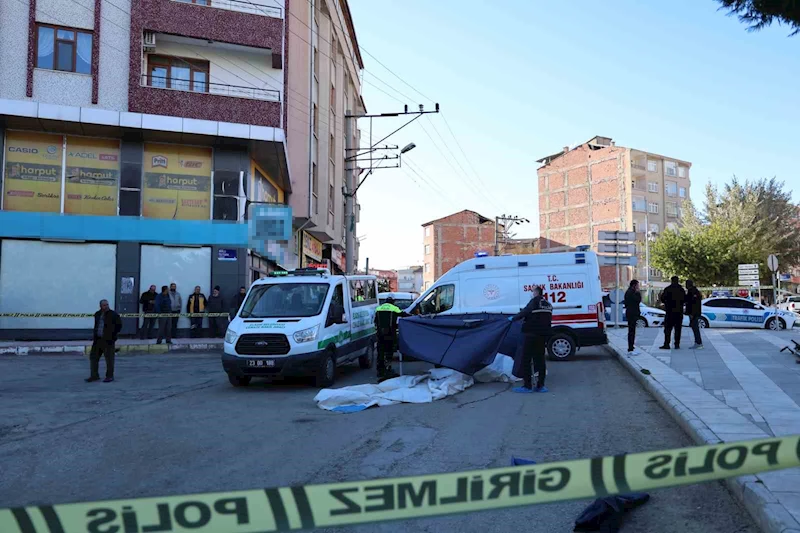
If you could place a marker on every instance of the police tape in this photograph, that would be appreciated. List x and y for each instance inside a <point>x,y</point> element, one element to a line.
<point>123,315</point>
<point>350,503</point>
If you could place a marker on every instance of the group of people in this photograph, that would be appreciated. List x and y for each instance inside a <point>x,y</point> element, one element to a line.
<point>677,302</point>
<point>169,301</point>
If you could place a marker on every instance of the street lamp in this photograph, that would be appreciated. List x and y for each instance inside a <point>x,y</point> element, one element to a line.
<point>408,148</point>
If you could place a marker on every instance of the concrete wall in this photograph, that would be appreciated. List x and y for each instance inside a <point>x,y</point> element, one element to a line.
<point>114,57</point>
<point>13,48</point>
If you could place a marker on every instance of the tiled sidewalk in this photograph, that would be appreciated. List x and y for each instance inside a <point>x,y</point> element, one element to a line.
<point>740,386</point>
<point>126,346</point>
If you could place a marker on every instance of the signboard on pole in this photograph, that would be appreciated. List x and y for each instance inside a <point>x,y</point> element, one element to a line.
<point>616,236</point>
<point>748,266</point>
<point>613,260</point>
<point>748,277</point>
<point>616,248</point>
<point>772,262</point>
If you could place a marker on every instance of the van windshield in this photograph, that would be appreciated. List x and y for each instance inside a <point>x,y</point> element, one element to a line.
<point>285,300</point>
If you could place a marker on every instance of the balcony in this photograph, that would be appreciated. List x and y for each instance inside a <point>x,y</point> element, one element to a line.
<point>265,8</point>
<point>639,167</point>
<point>185,85</point>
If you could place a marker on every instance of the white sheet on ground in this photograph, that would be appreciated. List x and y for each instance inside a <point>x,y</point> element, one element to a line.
<point>436,384</point>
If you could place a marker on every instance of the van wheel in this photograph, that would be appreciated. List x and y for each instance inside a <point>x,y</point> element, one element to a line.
<point>365,361</point>
<point>561,347</point>
<point>239,381</point>
<point>326,373</point>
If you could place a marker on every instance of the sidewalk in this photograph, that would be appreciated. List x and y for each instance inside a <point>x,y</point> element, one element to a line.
<point>126,346</point>
<point>739,387</point>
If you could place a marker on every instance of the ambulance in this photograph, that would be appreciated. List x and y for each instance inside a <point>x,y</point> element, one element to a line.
<point>302,323</point>
<point>503,285</point>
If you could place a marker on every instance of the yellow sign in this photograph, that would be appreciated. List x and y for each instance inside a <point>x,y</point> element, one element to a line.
<point>177,182</point>
<point>92,177</point>
<point>312,247</point>
<point>32,177</point>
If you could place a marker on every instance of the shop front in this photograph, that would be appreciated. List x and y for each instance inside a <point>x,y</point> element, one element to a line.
<point>312,250</point>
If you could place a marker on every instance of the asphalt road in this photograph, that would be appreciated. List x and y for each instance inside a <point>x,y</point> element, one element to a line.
<point>173,424</point>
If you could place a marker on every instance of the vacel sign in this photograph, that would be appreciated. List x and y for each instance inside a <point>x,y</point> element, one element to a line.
<point>177,182</point>
<point>33,172</point>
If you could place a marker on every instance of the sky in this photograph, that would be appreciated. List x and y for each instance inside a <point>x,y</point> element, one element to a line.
<point>520,79</point>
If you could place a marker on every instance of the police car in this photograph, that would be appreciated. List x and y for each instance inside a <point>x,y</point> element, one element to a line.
<point>733,312</point>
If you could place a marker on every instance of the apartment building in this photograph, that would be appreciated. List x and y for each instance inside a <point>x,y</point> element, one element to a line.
<point>410,279</point>
<point>601,186</point>
<point>150,141</point>
<point>326,62</point>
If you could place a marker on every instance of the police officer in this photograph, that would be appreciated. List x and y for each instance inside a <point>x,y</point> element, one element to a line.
<point>536,328</point>
<point>386,316</point>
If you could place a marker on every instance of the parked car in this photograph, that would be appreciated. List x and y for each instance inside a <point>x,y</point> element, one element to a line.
<point>736,312</point>
<point>792,303</point>
<point>650,316</point>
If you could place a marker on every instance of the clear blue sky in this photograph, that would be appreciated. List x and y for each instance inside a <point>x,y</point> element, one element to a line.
<point>520,79</point>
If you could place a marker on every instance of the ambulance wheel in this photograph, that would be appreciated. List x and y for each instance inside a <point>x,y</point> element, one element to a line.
<point>365,361</point>
<point>239,381</point>
<point>561,347</point>
<point>776,324</point>
<point>326,373</point>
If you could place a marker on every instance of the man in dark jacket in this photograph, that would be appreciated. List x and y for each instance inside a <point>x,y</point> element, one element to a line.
<point>673,298</point>
<point>536,329</point>
<point>196,303</point>
<point>238,300</point>
<point>164,307</point>
<point>216,304</point>
<point>633,299</point>
<point>107,325</point>
<point>694,308</point>
<point>386,316</point>
<point>148,301</point>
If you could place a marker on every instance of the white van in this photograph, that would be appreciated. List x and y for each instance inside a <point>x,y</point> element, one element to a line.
<point>571,282</point>
<point>304,322</point>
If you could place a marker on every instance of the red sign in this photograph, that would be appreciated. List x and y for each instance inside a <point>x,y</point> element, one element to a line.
<point>744,293</point>
<point>317,265</point>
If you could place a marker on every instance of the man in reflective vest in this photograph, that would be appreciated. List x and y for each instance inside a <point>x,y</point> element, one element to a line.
<point>386,316</point>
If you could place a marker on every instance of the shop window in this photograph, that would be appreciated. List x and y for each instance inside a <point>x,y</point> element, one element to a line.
<point>226,194</point>
<point>65,49</point>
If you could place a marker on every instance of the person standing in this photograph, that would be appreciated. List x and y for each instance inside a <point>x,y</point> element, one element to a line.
<point>694,308</point>
<point>673,298</point>
<point>196,304</point>
<point>164,306</point>
<point>107,325</point>
<point>216,305</point>
<point>633,299</point>
<point>536,329</point>
<point>238,300</point>
<point>386,316</point>
<point>176,305</point>
<point>148,301</point>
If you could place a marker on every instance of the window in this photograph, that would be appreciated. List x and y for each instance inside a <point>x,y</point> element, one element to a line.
<point>331,179</point>
<point>336,311</point>
<point>439,300</point>
<point>746,304</point>
<point>671,188</point>
<point>682,192</point>
<point>315,189</point>
<point>652,186</point>
<point>427,267</point>
<point>316,120</point>
<point>652,166</point>
<point>719,302</point>
<point>63,49</point>
<point>427,231</point>
<point>330,205</point>
<point>672,209</point>
<point>177,73</point>
<point>652,207</point>
<point>316,62</point>
<point>654,228</point>
<point>682,172</point>
<point>333,103</point>
<point>226,195</point>
<point>285,300</point>
<point>636,226</point>
<point>672,226</point>
<point>639,203</point>
<point>638,185</point>
<point>670,168</point>
<point>427,249</point>
<point>130,182</point>
<point>363,292</point>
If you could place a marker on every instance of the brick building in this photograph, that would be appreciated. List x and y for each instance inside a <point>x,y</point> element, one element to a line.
<point>601,186</point>
<point>389,276</point>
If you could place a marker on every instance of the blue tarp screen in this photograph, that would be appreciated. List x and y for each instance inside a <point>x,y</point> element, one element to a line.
<point>466,343</point>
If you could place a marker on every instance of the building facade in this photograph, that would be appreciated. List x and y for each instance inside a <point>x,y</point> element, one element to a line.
<point>410,279</point>
<point>386,278</point>
<point>326,65</point>
<point>601,186</point>
<point>147,142</point>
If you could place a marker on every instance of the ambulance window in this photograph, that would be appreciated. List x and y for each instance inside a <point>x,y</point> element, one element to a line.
<point>338,296</point>
<point>439,300</point>
<point>362,292</point>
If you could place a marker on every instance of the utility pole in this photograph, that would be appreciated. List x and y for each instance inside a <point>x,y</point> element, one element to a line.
<point>350,185</point>
<point>510,220</point>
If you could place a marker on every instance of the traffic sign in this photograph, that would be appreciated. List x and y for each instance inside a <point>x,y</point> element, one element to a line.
<point>748,266</point>
<point>772,262</point>
<point>748,277</point>
<point>748,283</point>
<point>748,272</point>
<point>617,296</point>
<point>613,260</point>
<point>616,236</point>
<point>616,248</point>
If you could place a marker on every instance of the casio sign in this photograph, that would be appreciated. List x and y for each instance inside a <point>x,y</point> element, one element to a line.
<point>23,150</point>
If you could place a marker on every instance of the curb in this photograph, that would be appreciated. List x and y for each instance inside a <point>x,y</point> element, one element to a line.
<point>130,349</point>
<point>765,509</point>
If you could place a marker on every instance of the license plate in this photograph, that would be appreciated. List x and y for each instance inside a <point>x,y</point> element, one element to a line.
<point>261,362</point>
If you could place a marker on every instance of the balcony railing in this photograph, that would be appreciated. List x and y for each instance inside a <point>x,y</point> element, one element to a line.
<point>243,6</point>
<point>221,89</point>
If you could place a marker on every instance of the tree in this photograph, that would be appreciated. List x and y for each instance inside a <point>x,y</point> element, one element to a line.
<point>759,14</point>
<point>383,285</point>
<point>743,223</point>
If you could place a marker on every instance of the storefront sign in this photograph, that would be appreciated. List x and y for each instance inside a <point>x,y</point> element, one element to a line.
<point>92,178</point>
<point>32,173</point>
<point>177,182</point>
<point>265,191</point>
<point>312,247</point>
<point>226,254</point>
<point>337,258</point>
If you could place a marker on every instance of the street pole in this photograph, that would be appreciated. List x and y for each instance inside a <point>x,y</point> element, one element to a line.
<point>647,254</point>
<point>616,287</point>
<point>366,267</point>
<point>349,201</point>
<point>496,232</point>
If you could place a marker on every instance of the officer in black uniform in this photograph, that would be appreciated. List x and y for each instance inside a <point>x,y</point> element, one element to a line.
<point>386,316</point>
<point>536,329</point>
